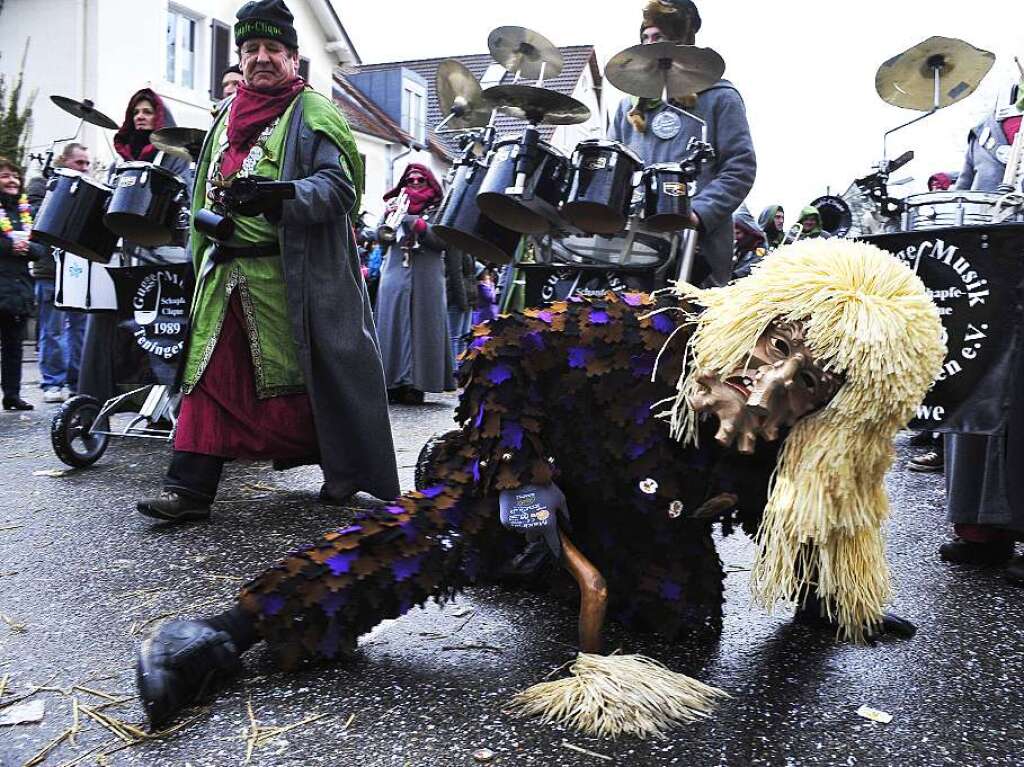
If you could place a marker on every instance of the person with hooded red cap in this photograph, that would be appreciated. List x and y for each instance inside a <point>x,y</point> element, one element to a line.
<point>412,312</point>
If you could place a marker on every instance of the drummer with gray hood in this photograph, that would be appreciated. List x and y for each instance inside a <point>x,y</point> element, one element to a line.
<point>659,135</point>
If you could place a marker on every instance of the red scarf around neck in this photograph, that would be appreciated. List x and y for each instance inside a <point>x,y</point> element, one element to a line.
<point>251,112</point>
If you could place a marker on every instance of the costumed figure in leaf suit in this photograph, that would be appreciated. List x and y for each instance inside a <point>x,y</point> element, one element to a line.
<point>619,430</point>
<point>282,362</point>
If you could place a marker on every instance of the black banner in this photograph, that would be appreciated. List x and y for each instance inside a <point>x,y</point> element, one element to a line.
<point>546,283</point>
<point>974,275</point>
<point>153,312</point>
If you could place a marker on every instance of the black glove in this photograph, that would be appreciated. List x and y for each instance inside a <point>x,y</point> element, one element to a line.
<point>253,195</point>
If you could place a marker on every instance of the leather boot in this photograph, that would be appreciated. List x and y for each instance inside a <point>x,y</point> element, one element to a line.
<point>1015,571</point>
<point>17,403</point>
<point>962,552</point>
<point>179,664</point>
<point>173,507</point>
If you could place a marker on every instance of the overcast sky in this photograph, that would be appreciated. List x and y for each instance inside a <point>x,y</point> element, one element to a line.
<point>806,70</point>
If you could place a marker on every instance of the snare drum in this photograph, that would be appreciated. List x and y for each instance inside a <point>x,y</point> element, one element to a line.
<point>71,216</point>
<point>461,224</point>
<point>938,210</point>
<point>145,204</point>
<point>601,186</point>
<point>84,286</point>
<point>533,208</point>
<point>666,198</point>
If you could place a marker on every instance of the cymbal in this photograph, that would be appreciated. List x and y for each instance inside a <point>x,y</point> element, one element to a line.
<point>907,80</point>
<point>459,92</point>
<point>186,143</point>
<point>540,106</point>
<point>646,70</point>
<point>84,110</point>
<point>522,51</point>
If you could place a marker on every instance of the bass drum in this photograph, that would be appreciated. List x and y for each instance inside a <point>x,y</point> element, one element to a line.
<point>146,204</point>
<point>836,216</point>
<point>533,209</point>
<point>461,224</point>
<point>71,216</point>
<point>941,210</point>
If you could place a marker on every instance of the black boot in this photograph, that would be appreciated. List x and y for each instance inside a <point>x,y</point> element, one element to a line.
<point>1015,571</point>
<point>181,662</point>
<point>17,403</point>
<point>173,507</point>
<point>812,613</point>
<point>963,552</point>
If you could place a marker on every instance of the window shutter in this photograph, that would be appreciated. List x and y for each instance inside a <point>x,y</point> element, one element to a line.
<point>220,56</point>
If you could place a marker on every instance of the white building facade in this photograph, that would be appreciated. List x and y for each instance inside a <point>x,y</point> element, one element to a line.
<point>105,50</point>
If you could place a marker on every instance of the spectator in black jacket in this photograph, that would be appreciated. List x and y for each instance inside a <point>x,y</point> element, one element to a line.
<point>460,276</point>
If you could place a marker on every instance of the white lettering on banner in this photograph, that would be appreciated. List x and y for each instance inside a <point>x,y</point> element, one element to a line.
<point>931,413</point>
<point>162,323</point>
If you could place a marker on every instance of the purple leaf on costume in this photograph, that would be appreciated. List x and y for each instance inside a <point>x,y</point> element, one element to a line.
<point>534,340</point>
<point>633,299</point>
<point>393,509</point>
<point>598,317</point>
<point>408,529</point>
<point>499,374</point>
<point>643,364</point>
<point>635,449</point>
<point>671,590</point>
<point>355,528</point>
<point>545,316</point>
<point>662,323</point>
<point>479,416</point>
<point>479,342</point>
<point>433,492</point>
<point>476,470</point>
<point>272,604</point>
<point>642,413</point>
<point>579,357</point>
<point>511,435</point>
<point>341,562</point>
<point>406,568</point>
<point>334,602</point>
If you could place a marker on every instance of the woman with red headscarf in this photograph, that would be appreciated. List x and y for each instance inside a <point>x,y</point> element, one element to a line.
<point>412,313</point>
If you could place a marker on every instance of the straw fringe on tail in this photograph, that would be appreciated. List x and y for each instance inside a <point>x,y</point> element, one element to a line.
<point>868,318</point>
<point>613,695</point>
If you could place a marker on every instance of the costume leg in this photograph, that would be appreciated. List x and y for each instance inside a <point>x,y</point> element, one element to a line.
<point>194,475</point>
<point>593,595</point>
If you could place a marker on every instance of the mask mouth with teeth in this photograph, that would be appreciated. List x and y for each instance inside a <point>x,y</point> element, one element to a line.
<point>779,383</point>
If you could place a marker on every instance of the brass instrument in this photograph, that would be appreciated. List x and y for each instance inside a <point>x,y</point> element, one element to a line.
<point>390,230</point>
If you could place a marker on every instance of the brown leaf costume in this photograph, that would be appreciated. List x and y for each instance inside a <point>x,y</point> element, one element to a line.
<point>562,393</point>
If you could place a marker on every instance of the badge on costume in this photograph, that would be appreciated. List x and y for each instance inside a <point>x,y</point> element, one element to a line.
<point>1003,153</point>
<point>666,124</point>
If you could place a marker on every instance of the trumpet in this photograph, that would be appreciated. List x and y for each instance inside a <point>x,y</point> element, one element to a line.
<point>388,231</point>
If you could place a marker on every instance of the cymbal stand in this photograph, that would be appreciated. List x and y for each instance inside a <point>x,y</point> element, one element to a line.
<point>936,64</point>
<point>47,160</point>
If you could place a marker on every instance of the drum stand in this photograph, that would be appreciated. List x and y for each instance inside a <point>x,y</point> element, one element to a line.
<point>46,161</point>
<point>161,404</point>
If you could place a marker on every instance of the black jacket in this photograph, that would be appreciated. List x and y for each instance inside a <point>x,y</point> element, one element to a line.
<point>16,291</point>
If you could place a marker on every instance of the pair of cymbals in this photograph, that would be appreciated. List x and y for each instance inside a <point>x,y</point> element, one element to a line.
<point>459,94</point>
<point>186,143</point>
<point>908,79</point>
<point>652,70</point>
<point>84,110</point>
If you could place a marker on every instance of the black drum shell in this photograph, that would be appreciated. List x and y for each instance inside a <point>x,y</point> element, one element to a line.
<point>537,210</point>
<point>462,225</point>
<point>71,217</point>
<point>666,199</point>
<point>600,187</point>
<point>145,204</point>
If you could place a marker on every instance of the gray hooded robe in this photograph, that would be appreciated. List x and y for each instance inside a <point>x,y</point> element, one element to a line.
<point>724,183</point>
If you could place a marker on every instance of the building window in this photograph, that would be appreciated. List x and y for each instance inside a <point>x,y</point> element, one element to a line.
<point>304,68</point>
<point>181,48</point>
<point>222,45</point>
<point>414,112</point>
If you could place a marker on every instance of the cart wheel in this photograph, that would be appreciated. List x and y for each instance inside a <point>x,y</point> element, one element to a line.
<point>428,454</point>
<point>69,432</point>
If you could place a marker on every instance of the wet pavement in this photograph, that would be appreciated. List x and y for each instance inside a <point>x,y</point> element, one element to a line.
<point>83,578</point>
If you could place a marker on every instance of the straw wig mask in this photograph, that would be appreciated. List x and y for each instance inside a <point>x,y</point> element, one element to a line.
<point>867,317</point>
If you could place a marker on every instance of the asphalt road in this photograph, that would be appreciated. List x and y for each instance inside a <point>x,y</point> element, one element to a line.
<point>83,577</point>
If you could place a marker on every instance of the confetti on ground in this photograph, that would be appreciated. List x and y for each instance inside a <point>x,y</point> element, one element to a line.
<point>29,712</point>
<point>874,715</point>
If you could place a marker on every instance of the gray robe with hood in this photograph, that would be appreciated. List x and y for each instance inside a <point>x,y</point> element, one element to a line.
<point>724,182</point>
<point>983,170</point>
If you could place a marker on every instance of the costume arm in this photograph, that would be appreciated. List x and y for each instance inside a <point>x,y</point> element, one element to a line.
<point>966,177</point>
<point>325,195</point>
<point>736,164</point>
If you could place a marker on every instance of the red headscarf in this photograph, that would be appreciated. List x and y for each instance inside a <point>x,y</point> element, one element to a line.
<point>422,197</point>
<point>252,111</point>
<point>133,144</point>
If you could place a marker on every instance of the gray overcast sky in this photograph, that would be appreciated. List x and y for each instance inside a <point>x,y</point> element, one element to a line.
<point>806,69</point>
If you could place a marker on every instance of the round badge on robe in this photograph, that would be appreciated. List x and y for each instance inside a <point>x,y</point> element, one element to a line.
<point>1003,153</point>
<point>666,124</point>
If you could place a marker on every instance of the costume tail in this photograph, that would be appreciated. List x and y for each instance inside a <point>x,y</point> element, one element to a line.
<point>317,601</point>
